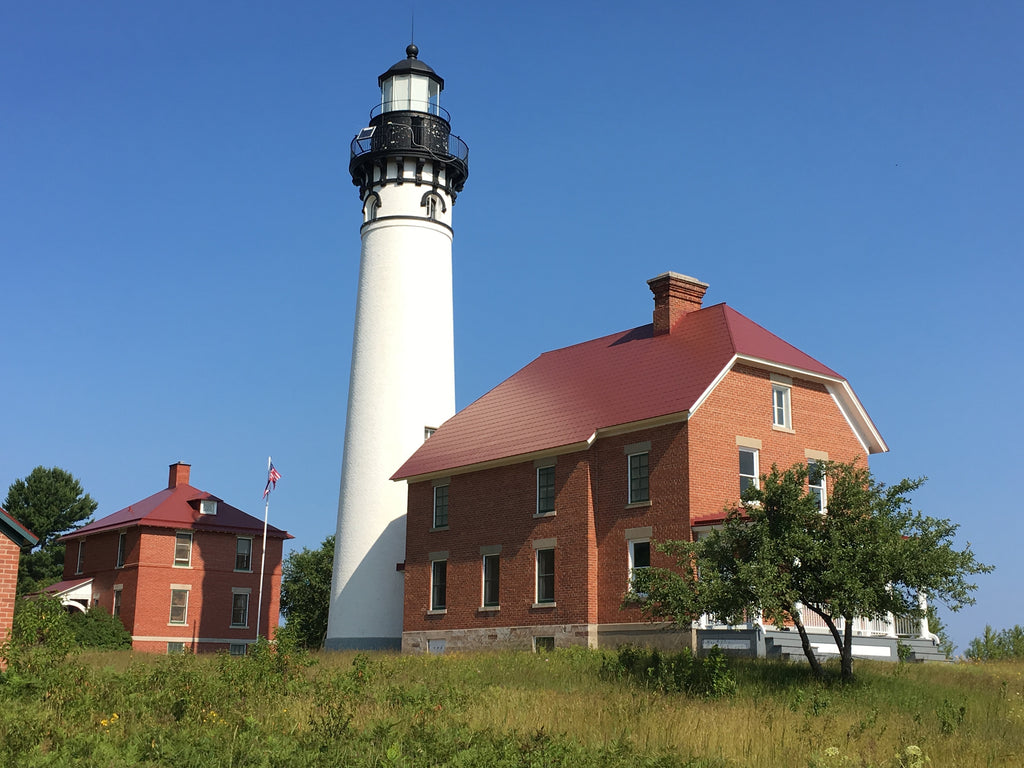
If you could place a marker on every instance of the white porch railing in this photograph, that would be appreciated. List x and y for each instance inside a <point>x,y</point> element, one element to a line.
<point>891,626</point>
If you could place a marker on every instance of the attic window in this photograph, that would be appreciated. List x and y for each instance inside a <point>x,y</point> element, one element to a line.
<point>208,507</point>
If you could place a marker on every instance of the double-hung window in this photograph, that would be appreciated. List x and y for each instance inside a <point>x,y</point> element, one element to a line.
<point>243,554</point>
<point>80,565</point>
<point>122,539</point>
<point>239,607</point>
<point>440,506</point>
<point>545,575</point>
<point>439,585</point>
<point>639,482</point>
<point>748,469</point>
<point>492,571</point>
<point>545,490</point>
<point>116,609</point>
<point>179,605</point>
<point>183,549</point>
<point>639,559</point>
<point>782,415</point>
<point>816,483</point>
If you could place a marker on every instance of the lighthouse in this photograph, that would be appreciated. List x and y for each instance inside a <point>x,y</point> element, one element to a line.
<point>409,168</point>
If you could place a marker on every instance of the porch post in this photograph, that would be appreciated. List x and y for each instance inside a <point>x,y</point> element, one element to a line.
<point>922,603</point>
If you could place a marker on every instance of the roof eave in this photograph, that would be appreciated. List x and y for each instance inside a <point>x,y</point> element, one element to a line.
<point>601,432</point>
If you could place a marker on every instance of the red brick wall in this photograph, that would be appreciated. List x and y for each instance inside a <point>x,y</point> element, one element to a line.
<point>693,472</point>
<point>741,405</point>
<point>497,507</point>
<point>9,556</point>
<point>149,572</point>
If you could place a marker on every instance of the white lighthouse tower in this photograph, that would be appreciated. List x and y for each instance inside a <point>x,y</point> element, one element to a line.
<point>409,169</point>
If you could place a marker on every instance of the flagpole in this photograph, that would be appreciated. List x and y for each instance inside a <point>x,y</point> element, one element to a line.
<point>263,559</point>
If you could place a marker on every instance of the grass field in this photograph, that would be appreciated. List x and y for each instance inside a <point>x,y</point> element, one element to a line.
<point>566,708</point>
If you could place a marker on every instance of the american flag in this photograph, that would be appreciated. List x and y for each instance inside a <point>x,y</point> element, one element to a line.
<point>272,477</point>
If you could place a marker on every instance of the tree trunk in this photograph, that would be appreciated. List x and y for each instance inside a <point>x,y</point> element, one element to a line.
<point>847,654</point>
<point>805,641</point>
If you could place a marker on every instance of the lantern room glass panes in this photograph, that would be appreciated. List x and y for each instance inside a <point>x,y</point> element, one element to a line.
<point>411,92</point>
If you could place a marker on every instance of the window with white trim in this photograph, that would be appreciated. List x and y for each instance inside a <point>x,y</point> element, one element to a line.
<point>173,648</point>
<point>116,609</point>
<point>440,506</point>
<point>545,575</point>
<point>816,483</point>
<point>781,412</point>
<point>179,606</point>
<point>208,507</point>
<point>748,469</point>
<point>122,540</point>
<point>243,554</point>
<point>439,585</point>
<point>639,481</point>
<point>545,490</point>
<point>236,649</point>
<point>492,573</point>
<point>80,565</point>
<point>639,558</point>
<point>239,608</point>
<point>183,549</point>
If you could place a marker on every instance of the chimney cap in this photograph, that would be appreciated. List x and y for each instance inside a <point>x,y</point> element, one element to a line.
<point>677,277</point>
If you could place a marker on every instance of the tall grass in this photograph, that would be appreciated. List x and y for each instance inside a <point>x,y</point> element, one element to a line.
<point>565,708</point>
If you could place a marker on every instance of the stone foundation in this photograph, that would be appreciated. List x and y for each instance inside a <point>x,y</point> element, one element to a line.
<point>528,638</point>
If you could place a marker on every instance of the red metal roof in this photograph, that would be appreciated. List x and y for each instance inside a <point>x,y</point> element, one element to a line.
<point>178,507</point>
<point>565,396</point>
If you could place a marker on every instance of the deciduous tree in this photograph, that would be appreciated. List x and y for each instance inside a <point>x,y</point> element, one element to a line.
<point>868,555</point>
<point>306,593</point>
<point>50,503</point>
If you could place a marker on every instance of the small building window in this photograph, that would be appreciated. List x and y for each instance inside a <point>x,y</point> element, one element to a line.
<point>183,549</point>
<point>639,559</point>
<point>80,564</point>
<point>639,482</point>
<point>116,609</point>
<point>816,483</point>
<point>208,507</point>
<point>173,648</point>
<point>236,649</point>
<point>748,469</point>
<point>122,538</point>
<point>243,554</point>
<point>545,575</point>
<point>440,506</point>
<point>428,432</point>
<point>239,609</point>
<point>179,606</point>
<point>439,585</point>
<point>545,490</point>
<point>781,412</point>
<point>492,571</point>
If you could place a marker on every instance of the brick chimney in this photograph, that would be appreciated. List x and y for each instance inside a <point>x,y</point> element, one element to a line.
<point>674,296</point>
<point>178,475</point>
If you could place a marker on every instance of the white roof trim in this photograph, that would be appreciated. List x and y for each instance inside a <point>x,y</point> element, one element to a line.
<point>715,382</point>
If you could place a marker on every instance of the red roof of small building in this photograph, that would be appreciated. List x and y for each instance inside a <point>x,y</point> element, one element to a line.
<point>178,508</point>
<point>564,397</point>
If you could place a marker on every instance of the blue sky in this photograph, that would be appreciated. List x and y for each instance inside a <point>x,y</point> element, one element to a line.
<point>179,235</point>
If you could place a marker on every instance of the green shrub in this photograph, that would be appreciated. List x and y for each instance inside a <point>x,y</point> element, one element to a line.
<point>98,629</point>
<point>40,639</point>
<point>680,672</point>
